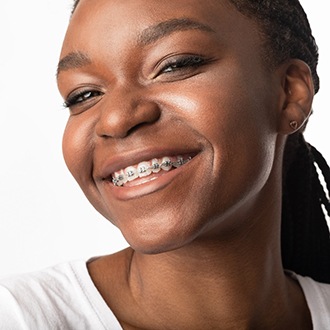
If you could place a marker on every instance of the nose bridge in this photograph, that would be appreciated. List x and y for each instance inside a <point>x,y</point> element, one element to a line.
<point>123,109</point>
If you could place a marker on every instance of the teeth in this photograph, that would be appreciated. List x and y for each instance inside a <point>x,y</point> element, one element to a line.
<point>131,173</point>
<point>120,178</point>
<point>155,165</point>
<point>166,164</point>
<point>144,169</point>
<point>178,162</point>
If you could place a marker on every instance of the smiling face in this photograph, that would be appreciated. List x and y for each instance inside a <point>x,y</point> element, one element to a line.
<point>172,133</point>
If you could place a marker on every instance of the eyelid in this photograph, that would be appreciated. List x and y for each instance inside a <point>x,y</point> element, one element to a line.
<point>180,62</point>
<point>174,58</point>
<point>70,100</point>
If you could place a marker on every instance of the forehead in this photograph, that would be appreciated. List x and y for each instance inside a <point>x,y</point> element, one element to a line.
<point>128,17</point>
<point>150,7</point>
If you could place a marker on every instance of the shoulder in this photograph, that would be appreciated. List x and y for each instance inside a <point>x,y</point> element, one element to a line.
<point>43,284</point>
<point>54,298</point>
<point>318,300</point>
<point>37,298</point>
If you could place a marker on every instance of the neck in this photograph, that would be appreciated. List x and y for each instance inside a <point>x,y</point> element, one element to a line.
<point>237,283</point>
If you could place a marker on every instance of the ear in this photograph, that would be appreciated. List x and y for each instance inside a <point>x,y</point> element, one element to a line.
<point>298,90</point>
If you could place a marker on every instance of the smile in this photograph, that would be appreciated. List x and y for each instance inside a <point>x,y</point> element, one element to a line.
<point>147,168</point>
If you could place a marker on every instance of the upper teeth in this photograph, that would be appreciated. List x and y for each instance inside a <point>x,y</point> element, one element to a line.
<point>146,168</point>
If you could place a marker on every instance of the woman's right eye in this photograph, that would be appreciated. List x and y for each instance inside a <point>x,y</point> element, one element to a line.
<point>80,97</point>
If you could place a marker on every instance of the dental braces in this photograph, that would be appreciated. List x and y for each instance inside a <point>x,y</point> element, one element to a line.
<point>154,168</point>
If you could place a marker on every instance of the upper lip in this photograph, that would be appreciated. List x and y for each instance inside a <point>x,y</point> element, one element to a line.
<point>123,160</point>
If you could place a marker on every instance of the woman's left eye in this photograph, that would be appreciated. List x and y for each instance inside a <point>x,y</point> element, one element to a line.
<point>181,64</point>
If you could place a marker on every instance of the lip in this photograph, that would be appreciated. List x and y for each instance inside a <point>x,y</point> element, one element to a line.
<point>119,162</point>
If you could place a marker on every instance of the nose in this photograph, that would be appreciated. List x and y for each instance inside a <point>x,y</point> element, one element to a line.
<point>124,111</point>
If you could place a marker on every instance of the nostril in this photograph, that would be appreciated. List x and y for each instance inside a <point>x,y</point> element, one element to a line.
<point>125,113</point>
<point>124,125</point>
<point>137,127</point>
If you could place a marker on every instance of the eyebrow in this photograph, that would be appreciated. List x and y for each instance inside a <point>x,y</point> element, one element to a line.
<point>163,29</point>
<point>149,35</point>
<point>73,60</point>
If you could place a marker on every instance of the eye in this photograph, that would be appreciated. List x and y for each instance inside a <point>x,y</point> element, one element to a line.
<point>183,62</point>
<point>80,97</point>
<point>181,65</point>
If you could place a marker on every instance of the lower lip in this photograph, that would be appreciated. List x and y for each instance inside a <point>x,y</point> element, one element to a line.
<point>155,184</point>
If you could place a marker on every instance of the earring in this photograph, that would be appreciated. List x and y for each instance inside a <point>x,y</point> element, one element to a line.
<point>293,124</point>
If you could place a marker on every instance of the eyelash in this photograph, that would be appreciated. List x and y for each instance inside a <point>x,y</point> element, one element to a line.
<point>80,97</point>
<point>182,63</point>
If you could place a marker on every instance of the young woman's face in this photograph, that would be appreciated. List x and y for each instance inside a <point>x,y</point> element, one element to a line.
<point>146,80</point>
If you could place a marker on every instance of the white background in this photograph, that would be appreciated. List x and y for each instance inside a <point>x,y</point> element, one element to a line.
<point>44,217</point>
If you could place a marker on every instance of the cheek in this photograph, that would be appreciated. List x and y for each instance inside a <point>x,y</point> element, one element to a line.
<point>244,142</point>
<point>77,149</point>
<point>237,123</point>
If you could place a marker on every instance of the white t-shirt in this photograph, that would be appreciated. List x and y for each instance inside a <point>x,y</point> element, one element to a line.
<point>64,297</point>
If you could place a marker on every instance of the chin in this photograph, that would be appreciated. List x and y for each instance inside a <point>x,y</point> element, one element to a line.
<point>156,243</point>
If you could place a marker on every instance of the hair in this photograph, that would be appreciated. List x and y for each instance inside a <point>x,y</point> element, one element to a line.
<point>305,235</point>
<point>75,4</point>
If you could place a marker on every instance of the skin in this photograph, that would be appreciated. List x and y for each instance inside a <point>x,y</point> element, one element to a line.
<point>205,238</point>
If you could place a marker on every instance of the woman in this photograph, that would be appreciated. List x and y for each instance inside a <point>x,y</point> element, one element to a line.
<point>186,117</point>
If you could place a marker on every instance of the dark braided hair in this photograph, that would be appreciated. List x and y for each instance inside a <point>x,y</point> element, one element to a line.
<point>305,235</point>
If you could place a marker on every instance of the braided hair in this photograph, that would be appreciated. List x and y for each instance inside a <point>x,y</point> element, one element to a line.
<point>304,233</point>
